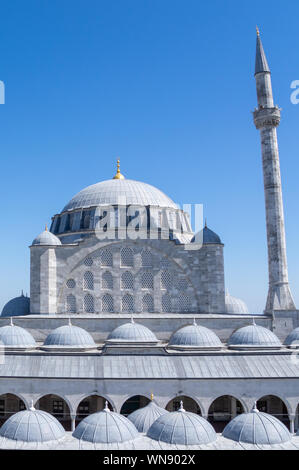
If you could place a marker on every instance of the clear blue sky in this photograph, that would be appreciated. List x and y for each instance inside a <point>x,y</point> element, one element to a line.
<point>168,86</point>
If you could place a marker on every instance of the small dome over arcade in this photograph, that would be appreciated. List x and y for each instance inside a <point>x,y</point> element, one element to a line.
<point>144,417</point>
<point>292,340</point>
<point>105,427</point>
<point>46,238</point>
<point>14,337</point>
<point>235,306</point>
<point>69,337</point>
<point>256,428</point>
<point>253,337</point>
<point>182,428</point>
<point>131,332</point>
<point>17,306</point>
<point>194,337</point>
<point>34,426</point>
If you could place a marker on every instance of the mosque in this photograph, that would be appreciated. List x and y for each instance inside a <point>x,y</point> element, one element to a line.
<point>129,339</point>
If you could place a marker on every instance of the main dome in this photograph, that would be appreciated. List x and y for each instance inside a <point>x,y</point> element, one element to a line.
<point>115,191</point>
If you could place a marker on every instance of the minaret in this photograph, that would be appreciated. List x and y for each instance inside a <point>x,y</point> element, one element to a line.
<point>266,119</point>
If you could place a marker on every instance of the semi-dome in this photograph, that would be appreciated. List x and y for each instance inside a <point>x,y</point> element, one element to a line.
<point>15,337</point>
<point>194,337</point>
<point>144,417</point>
<point>46,238</point>
<point>16,307</point>
<point>119,191</point>
<point>69,337</point>
<point>32,426</point>
<point>182,428</point>
<point>206,236</point>
<point>236,306</point>
<point>132,333</point>
<point>256,428</point>
<point>105,427</point>
<point>253,337</point>
<point>292,340</point>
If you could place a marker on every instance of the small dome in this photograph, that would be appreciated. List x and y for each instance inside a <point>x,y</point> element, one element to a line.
<point>16,307</point>
<point>32,426</point>
<point>256,428</point>
<point>46,238</point>
<point>105,427</point>
<point>183,428</point>
<point>69,337</point>
<point>253,337</point>
<point>292,340</point>
<point>194,337</point>
<point>15,337</point>
<point>234,305</point>
<point>206,237</point>
<point>131,333</point>
<point>144,417</point>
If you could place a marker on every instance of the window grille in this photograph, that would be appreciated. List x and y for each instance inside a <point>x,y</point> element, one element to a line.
<point>166,303</point>
<point>88,280</point>
<point>147,280</point>
<point>147,303</point>
<point>107,280</point>
<point>127,303</point>
<point>166,281</point>
<point>165,263</point>
<point>88,304</point>
<point>184,303</point>
<point>71,304</point>
<point>127,257</point>
<point>70,283</point>
<point>88,261</point>
<point>146,259</point>
<point>182,285</point>
<point>126,280</point>
<point>107,303</point>
<point>106,258</point>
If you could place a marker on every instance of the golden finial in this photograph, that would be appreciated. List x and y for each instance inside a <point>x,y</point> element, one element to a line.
<point>257,31</point>
<point>118,175</point>
<point>46,228</point>
<point>152,396</point>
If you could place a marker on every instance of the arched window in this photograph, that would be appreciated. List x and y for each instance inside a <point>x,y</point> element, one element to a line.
<point>106,258</point>
<point>88,261</point>
<point>70,283</point>
<point>127,257</point>
<point>127,303</point>
<point>166,303</point>
<point>166,281</point>
<point>147,280</point>
<point>126,280</point>
<point>88,280</point>
<point>88,303</point>
<point>184,303</point>
<point>147,303</point>
<point>165,263</point>
<point>146,259</point>
<point>71,304</point>
<point>182,284</point>
<point>107,303</point>
<point>107,280</point>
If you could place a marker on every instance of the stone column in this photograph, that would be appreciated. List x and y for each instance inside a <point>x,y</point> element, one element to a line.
<point>73,422</point>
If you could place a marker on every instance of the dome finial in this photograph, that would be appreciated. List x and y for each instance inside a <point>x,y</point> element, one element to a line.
<point>253,322</point>
<point>31,408</point>
<point>206,223</point>
<point>132,319</point>
<point>118,175</point>
<point>70,321</point>
<point>152,396</point>
<point>257,31</point>
<point>181,406</point>
<point>194,321</point>
<point>46,228</point>
<point>254,408</point>
<point>107,409</point>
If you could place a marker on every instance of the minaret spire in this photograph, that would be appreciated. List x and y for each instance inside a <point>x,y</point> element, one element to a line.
<point>266,119</point>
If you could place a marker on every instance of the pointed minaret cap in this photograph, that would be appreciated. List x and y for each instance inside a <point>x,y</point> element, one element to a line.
<point>118,175</point>
<point>261,64</point>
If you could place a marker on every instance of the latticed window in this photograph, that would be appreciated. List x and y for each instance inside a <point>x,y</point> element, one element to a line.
<point>106,258</point>
<point>107,303</point>
<point>182,284</point>
<point>71,304</point>
<point>88,304</point>
<point>88,280</point>
<point>165,263</point>
<point>147,303</point>
<point>147,280</point>
<point>107,280</point>
<point>70,283</point>
<point>126,280</point>
<point>166,303</point>
<point>127,257</point>
<point>184,303</point>
<point>88,261</point>
<point>146,259</point>
<point>166,280</point>
<point>127,304</point>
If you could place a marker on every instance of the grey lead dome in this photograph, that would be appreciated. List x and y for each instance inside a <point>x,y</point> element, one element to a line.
<point>69,337</point>
<point>46,238</point>
<point>115,191</point>
<point>32,426</point>
<point>183,428</point>
<point>144,417</point>
<point>15,337</point>
<point>256,428</point>
<point>253,337</point>
<point>16,307</point>
<point>132,333</point>
<point>292,340</point>
<point>194,337</point>
<point>105,427</point>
